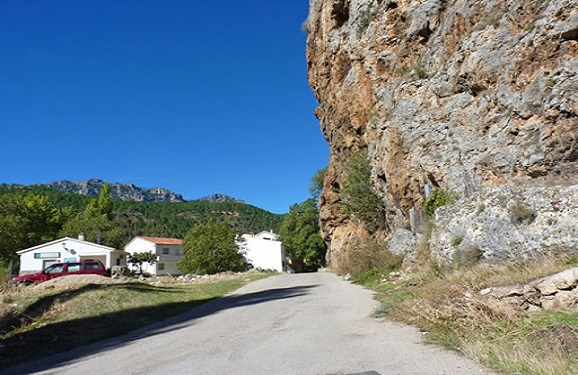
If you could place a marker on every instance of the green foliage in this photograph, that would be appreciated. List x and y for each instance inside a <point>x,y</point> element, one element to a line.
<point>358,197</point>
<point>211,248</point>
<point>402,70</point>
<point>420,72</point>
<point>301,235</point>
<point>162,219</point>
<point>456,241</point>
<point>103,205</point>
<point>96,222</point>
<point>137,259</point>
<point>26,221</point>
<point>437,199</point>
<point>369,277</point>
<point>317,183</point>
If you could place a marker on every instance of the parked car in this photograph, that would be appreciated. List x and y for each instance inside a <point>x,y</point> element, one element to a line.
<point>84,267</point>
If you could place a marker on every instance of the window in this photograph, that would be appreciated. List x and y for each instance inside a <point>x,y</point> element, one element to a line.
<point>161,266</point>
<point>73,267</point>
<point>57,268</point>
<point>92,266</point>
<point>166,250</point>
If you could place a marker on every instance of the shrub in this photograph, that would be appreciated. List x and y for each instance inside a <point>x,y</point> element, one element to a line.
<point>370,261</point>
<point>437,199</point>
<point>420,72</point>
<point>456,241</point>
<point>521,214</point>
<point>358,197</point>
<point>467,256</point>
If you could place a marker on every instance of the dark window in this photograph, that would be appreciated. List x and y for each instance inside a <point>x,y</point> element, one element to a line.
<point>92,266</point>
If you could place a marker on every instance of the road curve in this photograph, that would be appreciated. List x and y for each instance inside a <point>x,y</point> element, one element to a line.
<point>311,324</point>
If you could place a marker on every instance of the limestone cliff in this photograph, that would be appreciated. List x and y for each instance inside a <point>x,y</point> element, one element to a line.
<point>460,95</point>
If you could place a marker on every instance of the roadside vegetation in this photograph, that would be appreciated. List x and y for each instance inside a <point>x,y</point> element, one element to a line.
<point>448,308</point>
<point>446,302</point>
<point>300,231</point>
<point>59,315</point>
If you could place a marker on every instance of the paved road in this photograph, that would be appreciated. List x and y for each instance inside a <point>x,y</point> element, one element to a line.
<point>313,324</point>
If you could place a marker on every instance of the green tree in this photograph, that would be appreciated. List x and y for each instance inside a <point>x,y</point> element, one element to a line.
<point>211,248</point>
<point>103,205</point>
<point>316,186</point>
<point>358,197</point>
<point>301,236</point>
<point>27,221</point>
<point>96,222</point>
<point>137,259</point>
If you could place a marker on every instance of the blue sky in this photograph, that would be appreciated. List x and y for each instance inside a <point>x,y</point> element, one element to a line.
<point>198,97</point>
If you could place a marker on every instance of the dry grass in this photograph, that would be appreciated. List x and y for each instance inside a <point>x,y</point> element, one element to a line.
<point>68,313</point>
<point>370,258</point>
<point>447,304</point>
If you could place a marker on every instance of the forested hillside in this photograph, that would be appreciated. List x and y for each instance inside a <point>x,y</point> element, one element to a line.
<point>165,219</point>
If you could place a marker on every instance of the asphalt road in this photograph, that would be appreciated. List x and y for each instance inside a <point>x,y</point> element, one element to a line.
<point>314,324</point>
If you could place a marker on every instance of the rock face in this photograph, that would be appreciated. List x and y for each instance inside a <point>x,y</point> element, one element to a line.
<point>125,192</point>
<point>217,198</point>
<point>556,291</point>
<point>465,96</point>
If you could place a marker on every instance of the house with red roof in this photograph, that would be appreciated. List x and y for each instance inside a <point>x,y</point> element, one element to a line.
<point>169,252</point>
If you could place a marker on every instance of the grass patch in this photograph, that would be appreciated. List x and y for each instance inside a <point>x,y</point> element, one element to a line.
<point>447,304</point>
<point>37,322</point>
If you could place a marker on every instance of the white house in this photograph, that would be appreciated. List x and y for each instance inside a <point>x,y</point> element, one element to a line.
<point>263,250</point>
<point>169,252</point>
<point>37,258</point>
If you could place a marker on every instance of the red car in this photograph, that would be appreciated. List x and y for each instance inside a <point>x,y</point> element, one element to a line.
<point>84,267</point>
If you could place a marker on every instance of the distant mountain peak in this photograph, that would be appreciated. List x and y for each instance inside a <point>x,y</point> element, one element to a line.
<point>219,198</point>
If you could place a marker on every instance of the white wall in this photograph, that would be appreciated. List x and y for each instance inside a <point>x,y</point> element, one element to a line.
<point>265,254</point>
<point>170,260</point>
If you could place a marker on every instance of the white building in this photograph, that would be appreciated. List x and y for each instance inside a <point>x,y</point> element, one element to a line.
<point>263,250</point>
<point>37,258</point>
<point>169,252</point>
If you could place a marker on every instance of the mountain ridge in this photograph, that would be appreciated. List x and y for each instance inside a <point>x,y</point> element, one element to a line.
<point>130,192</point>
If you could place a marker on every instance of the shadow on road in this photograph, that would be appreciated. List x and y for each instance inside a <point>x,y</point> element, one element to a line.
<point>19,353</point>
